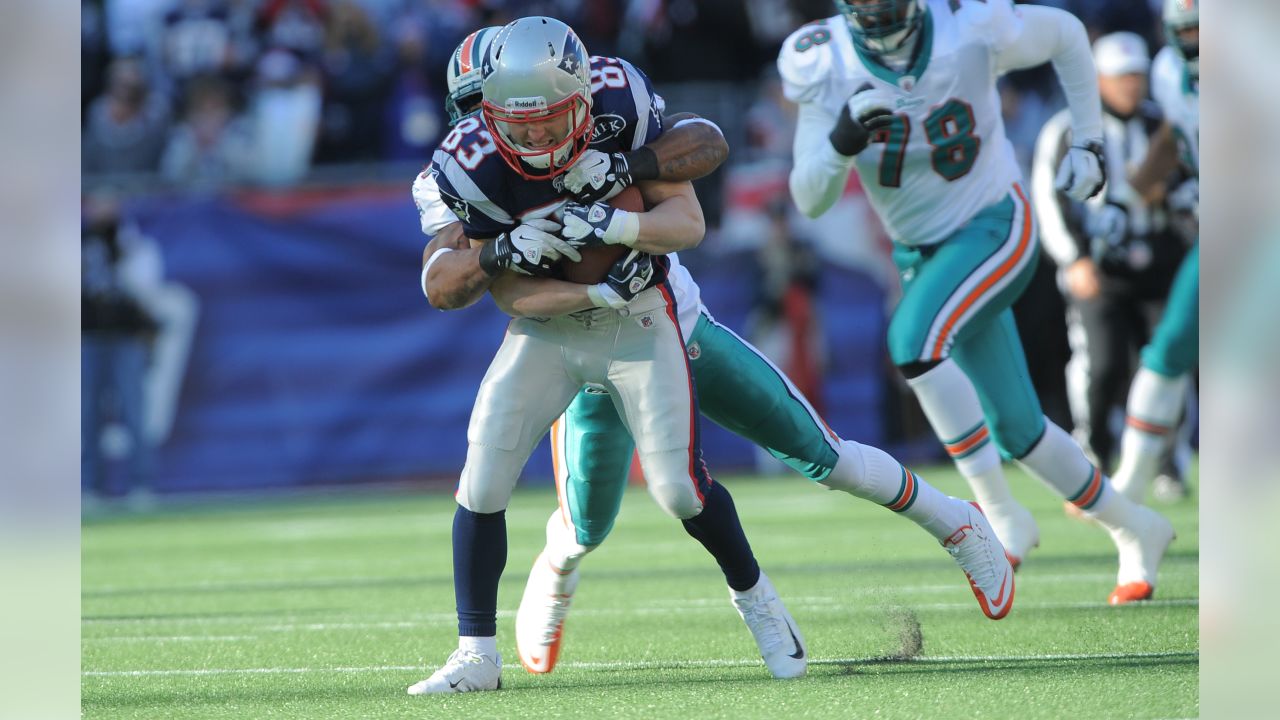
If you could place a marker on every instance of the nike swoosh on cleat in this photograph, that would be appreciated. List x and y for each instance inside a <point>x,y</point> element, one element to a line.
<point>454,685</point>
<point>1004,585</point>
<point>799,653</point>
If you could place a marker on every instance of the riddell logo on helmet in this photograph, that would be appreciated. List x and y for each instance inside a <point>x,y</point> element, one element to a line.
<point>527,103</point>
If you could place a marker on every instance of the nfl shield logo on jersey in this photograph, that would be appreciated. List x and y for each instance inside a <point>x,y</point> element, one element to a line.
<point>646,321</point>
<point>695,351</point>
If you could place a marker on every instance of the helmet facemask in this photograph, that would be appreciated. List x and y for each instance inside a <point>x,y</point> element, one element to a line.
<point>882,26</point>
<point>539,140</point>
<point>537,96</point>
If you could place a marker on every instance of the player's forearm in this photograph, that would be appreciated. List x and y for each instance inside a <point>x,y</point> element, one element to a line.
<point>455,280</point>
<point>1049,34</point>
<point>524,296</point>
<point>819,173</point>
<point>675,221</point>
<point>693,147</point>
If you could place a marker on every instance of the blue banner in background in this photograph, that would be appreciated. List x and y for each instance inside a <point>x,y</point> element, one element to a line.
<point>317,360</point>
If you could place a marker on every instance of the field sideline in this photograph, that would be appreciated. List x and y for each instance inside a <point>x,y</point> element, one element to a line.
<point>329,608</point>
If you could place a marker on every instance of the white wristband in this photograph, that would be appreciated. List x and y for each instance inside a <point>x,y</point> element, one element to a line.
<point>427,268</point>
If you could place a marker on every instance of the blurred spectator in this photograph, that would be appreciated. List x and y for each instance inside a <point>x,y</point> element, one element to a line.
<point>413,115</point>
<point>195,39</point>
<point>94,53</point>
<point>784,318</point>
<point>784,322</point>
<point>131,24</point>
<point>116,335</point>
<point>357,71</point>
<point>212,144</point>
<point>284,111</point>
<point>703,58</point>
<point>295,25</point>
<point>126,127</point>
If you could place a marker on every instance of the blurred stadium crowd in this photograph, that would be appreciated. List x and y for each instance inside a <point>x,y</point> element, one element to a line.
<point>202,91</point>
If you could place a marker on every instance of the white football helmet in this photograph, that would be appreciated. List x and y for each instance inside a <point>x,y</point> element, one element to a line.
<point>537,96</point>
<point>1181,16</point>
<point>463,76</point>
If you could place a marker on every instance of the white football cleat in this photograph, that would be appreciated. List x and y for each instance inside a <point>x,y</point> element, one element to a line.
<point>1016,529</point>
<point>1141,549</point>
<point>540,619</point>
<point>464,671</point>
<point>780,642</point>
<point>985,562</point>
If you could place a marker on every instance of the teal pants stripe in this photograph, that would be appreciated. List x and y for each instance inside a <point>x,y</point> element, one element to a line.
<point>737,388</point>
<point>1175,344</point>
<point>952,289</point>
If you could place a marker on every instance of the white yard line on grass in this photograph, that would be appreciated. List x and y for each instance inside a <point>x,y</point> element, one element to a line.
<point>812,604</point>
<point>653,664</point>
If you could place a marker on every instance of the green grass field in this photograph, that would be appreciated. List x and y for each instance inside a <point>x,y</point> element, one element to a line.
<point>330,607</point>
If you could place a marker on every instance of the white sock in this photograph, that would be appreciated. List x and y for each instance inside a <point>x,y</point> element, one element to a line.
<point>872,474</point>
<point>949,401</point>
<point>479,645</point>
<point>1059,462</point>
<point>562,550</point>
<point>1155,404</point>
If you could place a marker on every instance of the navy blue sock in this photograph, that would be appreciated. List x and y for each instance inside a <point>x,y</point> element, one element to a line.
<point>479,555</point>
<point>718,529</point>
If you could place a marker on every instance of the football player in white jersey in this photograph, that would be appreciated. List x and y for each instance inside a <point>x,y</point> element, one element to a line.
<point>1158,393</point>
<point>904,91</point>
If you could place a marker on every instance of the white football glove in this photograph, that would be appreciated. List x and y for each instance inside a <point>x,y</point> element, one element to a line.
<point>598,176</point>
<point>1107,225</point>
<point>599,224</point>
<point>875,102</point>
<point>1083,171</point>
<point>867,111</point>
<point>530,249</point>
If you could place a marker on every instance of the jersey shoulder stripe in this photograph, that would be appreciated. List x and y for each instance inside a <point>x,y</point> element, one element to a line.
<point>480,215</point>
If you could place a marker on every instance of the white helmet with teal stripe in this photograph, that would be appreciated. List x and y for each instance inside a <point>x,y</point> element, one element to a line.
<point>463,75</point>
<point>1182,26</point>
<point>882,26</point>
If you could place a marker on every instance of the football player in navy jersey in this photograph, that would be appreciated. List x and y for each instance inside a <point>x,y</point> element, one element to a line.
<point>503,176</point>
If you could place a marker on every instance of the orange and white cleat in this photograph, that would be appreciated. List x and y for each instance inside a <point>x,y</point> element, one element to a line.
<point>540,619</point>
<point>978,552</point>
<point>1142,547</point>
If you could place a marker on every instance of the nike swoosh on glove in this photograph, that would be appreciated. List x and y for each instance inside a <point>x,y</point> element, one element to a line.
<point>532,248</point>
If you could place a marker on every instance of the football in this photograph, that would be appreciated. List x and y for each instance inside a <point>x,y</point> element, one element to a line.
<point>596,261</point>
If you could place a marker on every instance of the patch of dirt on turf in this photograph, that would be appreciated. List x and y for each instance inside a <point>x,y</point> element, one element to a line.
<point>902,623</point>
